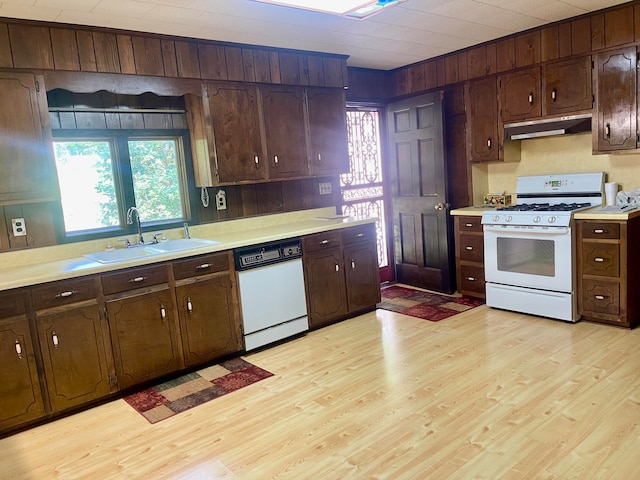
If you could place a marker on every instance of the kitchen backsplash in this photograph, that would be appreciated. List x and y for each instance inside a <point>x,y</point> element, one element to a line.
<point>562,154</point>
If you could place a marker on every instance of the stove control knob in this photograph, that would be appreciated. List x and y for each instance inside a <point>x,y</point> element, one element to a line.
<point>496,218</point>
<point>552,220</point>
<point>537,219</point>
<point>508,218</point>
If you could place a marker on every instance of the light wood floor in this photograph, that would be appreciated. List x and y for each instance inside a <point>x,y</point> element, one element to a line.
<point>485,394</point>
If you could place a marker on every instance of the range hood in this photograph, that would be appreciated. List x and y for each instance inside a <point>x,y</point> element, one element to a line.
<point>548,127</point>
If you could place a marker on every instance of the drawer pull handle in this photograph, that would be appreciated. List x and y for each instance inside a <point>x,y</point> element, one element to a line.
<point>54,340</point>
<point>324,242</point>
<point>599,297</point>
<point>204,266</point>
<point>137,279</point>
<point>598,259</point>
<point>471,279</point>
<point>18,349</point>
<point>275,159</point>
<point>337,267</point>
<point>468,247</point>
<point>256,160</point>
<point>66,294</point>
<point>353,265</point>
<point>468,225</point>
<point>189,305</point>
<point>163,313</point>
<point>598,230</point>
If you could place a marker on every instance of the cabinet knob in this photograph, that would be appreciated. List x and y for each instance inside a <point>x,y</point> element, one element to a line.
<point>275,159</point>
<point>18,349</point>
<point>488,143</point>
<point>337,267</point>
<point>319,157</point>
<point>256,160</point>
<point>137,279</point>
<point>468,225</point>
<point>599,297</point>
<point>54,340</point>
<point>203,266</point>
<point>353,265</point>
<point>598,231</point>
<point>471,279</point>
<point>468,247</point>
<point>607,131</point>
<point>189,305</point>
<point>324,242</point>
<point>163,313</point>
<point>531,98</point>
<point>554,95</point>
<point>66,294</point>
<point>598,259</point>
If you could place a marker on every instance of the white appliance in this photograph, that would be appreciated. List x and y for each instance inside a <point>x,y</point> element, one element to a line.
<point>529,248</point>
<point>273,304</point>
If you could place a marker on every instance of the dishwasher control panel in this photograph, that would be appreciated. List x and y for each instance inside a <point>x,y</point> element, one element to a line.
<point>256,256</point>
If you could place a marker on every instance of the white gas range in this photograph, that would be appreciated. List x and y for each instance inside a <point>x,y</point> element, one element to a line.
<point>529,249</point>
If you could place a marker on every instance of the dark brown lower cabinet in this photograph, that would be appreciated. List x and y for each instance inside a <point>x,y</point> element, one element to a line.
<point>76,364</point>
<point>20,395</point>
<point>144,336</point>
<point>325,286</point>
<point>362,275</point>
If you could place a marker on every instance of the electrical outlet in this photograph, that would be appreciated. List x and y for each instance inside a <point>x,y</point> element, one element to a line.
<point>221,200</point>
<point>19,227</point>
<point>325,188</point>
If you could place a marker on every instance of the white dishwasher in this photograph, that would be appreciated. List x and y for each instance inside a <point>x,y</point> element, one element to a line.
<point>273,304</point>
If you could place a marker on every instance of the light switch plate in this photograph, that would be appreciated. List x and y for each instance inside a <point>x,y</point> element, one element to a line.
<point>221,200</point>
<point>19,227</point>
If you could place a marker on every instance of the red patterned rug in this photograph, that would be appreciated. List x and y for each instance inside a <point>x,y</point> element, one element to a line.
<point>193,389</point>
<point>426,305</point>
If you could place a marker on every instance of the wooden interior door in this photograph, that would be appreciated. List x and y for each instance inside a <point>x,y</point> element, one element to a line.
<point>421,227</point>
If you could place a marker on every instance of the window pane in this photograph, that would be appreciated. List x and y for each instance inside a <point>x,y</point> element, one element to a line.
<point>156,184</point>
<point>85,175</point>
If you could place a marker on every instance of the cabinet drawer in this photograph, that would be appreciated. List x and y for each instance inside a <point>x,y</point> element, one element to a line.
<point>470,224</point>
<point>63,292</point>
<point>601,259</point>
<point>472,248</point>
<point>601,297</point>
<point>202,265</point>
<point>600,230</point>
<point>134,278</point>
<point>321,241</point>
<point>472,279</point>
<point>360,233</point>
<point>11,304</point>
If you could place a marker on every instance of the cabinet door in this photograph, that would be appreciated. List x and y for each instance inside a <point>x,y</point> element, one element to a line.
<point>74,356</point>
<point>285,132</point>
<point>567,87</point>
<point>482,121</point>
<point>144,337</point>
<point>20,396</point>
<point>235,120</point>
<point>520,95</point>
<point>362,275</point>
<point>26,164</point>
<point>208,319</point>
<point>615,125</point>
<point>328,132</point>
<point>325,282</point>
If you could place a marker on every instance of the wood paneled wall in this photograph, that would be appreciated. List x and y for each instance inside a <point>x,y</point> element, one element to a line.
<point>42,46</point>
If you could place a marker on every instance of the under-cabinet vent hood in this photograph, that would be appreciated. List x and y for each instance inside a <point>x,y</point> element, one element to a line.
<point>548,127</point>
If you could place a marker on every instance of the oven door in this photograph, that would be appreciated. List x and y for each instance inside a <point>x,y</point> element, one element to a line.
<point>531,257</point>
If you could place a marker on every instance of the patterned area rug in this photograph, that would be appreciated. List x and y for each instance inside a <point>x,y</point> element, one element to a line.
<point>426,305</point>
<point>193,389</point>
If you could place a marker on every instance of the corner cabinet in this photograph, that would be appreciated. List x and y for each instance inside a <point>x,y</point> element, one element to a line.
<point>608,266</point>
<point>20,395</point>
<point>341,273</point>
<point>615,120</point>
<point>26,160</point>
<point>207,307</point>
<point>469,240</point>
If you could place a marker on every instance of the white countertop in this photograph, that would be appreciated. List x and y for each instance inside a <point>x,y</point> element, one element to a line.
<point>46,264</point>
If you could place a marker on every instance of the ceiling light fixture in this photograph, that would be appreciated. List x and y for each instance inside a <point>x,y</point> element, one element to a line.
<point>347,8</point>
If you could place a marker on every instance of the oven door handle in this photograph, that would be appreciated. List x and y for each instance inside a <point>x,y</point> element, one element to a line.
<point>557,231</point>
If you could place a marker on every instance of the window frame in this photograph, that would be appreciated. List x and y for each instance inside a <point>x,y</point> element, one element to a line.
<point>123,180</point>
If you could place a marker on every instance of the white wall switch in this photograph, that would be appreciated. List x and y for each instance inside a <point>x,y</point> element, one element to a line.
<point>221,200</point>
<point>19,227</point>
<point>325,188</point>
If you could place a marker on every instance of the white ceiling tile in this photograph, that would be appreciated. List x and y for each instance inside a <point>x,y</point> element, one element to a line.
<point>133,9</point>
<point>26,11</point>
<point>84,6</point>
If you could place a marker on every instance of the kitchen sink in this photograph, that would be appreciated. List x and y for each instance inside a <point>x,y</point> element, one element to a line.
<point>133,253</point>
<point>121,254</point>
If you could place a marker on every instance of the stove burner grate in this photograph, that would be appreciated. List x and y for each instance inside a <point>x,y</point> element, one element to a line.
<point>544,207</point>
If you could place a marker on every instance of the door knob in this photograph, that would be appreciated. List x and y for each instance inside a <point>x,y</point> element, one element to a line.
<point>441,206</point>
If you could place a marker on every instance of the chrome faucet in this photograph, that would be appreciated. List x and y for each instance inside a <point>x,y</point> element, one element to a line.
<point>130,213</point>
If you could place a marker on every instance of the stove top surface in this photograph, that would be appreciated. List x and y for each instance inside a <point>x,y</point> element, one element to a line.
<point>545,207</point>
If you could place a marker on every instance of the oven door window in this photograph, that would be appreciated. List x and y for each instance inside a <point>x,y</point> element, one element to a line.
<point>526,255</point>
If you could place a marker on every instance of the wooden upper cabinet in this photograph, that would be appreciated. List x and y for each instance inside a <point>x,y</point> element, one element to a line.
<point>26,162</point>
<point>327,132</point>
<point>615,121</point>
<point>567,87</point>
<point>520,95</point>
<point>234,110</point>
<point>482,120</point>
<point>284,123</point>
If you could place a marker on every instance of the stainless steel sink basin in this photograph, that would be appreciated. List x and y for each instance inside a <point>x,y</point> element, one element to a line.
<point>121,254</point>
<point>181,244</point>
<point>126,254</point>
